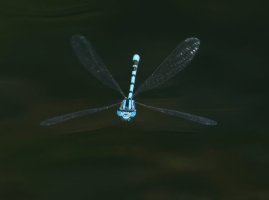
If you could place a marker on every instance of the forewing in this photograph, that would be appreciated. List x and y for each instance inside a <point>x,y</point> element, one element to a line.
<point>91,61</point>
<point>174,63</point>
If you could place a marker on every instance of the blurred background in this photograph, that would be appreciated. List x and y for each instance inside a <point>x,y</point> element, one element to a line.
<point>155,156</point>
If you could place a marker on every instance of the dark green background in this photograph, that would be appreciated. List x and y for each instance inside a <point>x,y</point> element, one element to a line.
<point>155,156</point>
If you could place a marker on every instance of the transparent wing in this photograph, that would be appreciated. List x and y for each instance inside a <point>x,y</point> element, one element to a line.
<point>183,115</point>
<point>91,61</point>
<point>174,63</point>
<point>69,116</point>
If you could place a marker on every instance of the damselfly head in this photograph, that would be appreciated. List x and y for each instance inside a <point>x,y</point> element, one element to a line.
<point>126,115</point>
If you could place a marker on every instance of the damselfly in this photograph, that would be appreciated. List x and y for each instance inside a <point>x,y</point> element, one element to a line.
<point>174,63</point>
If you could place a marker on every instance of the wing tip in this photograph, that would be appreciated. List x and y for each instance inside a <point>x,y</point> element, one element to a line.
<point>193,39</point>
<point>45,123</point>
<point>211,123</point>
<point>77,38</point>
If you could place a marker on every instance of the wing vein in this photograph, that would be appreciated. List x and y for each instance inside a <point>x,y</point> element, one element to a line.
<point>173,64</point>
<point>73,115</point>
<point>91,62</point>
<point>183,115</point>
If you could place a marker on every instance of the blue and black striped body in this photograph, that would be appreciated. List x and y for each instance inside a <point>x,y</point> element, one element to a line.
<point>127,109</point>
